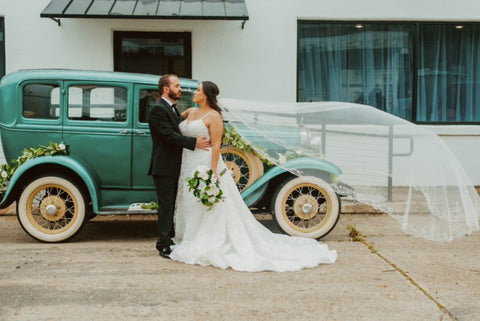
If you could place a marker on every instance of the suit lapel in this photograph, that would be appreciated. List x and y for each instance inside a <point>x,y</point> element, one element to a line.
<point>171,114</point>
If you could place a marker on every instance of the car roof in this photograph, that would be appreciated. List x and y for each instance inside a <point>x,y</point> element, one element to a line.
<point>74,74</point>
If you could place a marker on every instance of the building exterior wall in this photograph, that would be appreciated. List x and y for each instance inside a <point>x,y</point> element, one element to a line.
<point>258,62</point>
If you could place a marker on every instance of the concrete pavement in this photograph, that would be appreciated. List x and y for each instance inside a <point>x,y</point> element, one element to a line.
<point>112,271</point>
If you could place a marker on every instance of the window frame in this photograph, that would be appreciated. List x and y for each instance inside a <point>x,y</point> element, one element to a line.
<point>2,48</point>
<point>97,123</point>
<point>186,36</point>
<point>34,120</point>
<point>416,46</point>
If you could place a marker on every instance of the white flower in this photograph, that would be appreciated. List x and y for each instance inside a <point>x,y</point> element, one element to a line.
<point>282,159</point>
<point>213,190</point>
<point>299,152</point>
<point>211,199</point>
<point>316,141</point>
<point>62,146</point>
<point>4,174</point>
<point>203,176</point>
<point>202,185</point>
<point>202,170</point>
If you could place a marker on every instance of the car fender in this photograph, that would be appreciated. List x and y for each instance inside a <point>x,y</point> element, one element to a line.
<point>84,172</point>
<point>299,163</point>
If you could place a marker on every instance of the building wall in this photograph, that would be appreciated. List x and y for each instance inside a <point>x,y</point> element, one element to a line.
<point>258,62</point>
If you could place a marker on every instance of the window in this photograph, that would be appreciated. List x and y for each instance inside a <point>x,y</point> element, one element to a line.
<point>41,101</point>
<point>149,97</point>
<point>420,72</point>
<point>2,47</point>
<point>97,103</point>
<point>153,53</point>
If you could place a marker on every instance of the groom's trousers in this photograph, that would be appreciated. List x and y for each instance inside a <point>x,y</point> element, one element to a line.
<point>166,188</point>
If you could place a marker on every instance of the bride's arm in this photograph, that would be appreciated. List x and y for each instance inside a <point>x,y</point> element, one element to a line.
<point>216,131</point>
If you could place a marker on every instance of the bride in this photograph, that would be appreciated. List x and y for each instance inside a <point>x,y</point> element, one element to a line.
<point>228,235</point>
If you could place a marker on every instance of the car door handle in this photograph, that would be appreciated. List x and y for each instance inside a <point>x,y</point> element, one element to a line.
<point>140,133</point>
<point>123,132</point>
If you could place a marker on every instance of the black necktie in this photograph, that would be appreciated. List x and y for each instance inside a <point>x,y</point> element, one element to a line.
<point>175,110</point>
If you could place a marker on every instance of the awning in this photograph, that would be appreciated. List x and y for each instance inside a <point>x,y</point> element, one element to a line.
<point>147,9</point>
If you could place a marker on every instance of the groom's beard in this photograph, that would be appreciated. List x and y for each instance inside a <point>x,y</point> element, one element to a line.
<point>174,96</point>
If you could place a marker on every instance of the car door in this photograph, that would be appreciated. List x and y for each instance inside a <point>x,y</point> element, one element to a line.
<point>98,129</point>
<point>145,96</point>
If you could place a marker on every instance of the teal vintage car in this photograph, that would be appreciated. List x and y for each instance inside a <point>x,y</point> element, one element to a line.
<point>96,152</point>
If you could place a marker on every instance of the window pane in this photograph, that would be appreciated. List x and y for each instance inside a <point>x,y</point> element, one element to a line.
<point>149,97</point>
<point>153,53</point>
<point>41,101</point>
<point>368,63</point>
<point>97,103</point>
<point>449,73</point>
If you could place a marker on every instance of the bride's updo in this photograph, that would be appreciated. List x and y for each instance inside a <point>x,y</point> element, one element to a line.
<point>211,91</point>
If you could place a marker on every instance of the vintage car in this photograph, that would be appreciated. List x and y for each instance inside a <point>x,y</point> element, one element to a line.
<point>78,145</point>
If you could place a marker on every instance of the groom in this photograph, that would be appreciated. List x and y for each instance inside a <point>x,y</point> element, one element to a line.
<point>168,143</point>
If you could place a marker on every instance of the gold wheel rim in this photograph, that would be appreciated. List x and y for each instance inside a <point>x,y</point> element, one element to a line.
<point>52,209</point>
<point>306,207</point>
<point>240,166</point>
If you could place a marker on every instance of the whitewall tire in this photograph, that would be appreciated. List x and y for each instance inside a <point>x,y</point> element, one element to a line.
<point>306,206</point>
<point>51,209</point>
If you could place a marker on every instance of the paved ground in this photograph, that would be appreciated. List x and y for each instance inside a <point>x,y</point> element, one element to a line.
<point>112,272</point>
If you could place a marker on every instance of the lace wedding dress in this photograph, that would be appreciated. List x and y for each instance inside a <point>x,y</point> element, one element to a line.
<point>228,235</point>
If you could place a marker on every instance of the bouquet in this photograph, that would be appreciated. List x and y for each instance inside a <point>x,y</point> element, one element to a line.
<point>205,186</point>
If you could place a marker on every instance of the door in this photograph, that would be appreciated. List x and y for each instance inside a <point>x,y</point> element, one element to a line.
<point>97,129</point>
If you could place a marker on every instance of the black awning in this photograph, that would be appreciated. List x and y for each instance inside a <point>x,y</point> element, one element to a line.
<point>147,9</point>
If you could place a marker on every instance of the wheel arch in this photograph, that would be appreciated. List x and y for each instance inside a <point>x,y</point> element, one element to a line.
<point>307,166</point>
<point>68,166</point>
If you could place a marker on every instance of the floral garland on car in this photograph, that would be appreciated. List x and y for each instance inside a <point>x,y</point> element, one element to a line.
<point>232,138</point>
<point>7,170</point>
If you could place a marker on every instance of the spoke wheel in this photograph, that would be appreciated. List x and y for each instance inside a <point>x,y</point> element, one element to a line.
<point>51,209</point>
<point>306,206</point>
<point>246,167</point>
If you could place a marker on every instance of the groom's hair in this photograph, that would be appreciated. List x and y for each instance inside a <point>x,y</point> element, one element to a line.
<point>165,81</point>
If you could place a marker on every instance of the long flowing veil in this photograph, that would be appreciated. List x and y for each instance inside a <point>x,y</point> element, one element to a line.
<point>393,165</point>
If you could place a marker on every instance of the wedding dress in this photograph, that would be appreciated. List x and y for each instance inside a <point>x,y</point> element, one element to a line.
<point>228,235</point>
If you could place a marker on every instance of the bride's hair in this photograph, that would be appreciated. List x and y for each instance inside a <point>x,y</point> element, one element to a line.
<point>211,91</point>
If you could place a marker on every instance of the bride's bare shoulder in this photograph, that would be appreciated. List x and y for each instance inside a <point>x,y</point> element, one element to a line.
<point>188,111</point>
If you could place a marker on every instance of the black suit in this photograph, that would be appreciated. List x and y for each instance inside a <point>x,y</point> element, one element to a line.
<point>167,147</point>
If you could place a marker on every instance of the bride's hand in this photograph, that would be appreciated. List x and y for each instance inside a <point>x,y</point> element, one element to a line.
<point>216,176</point>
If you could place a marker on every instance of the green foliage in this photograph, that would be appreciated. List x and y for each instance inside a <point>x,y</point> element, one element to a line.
<point>7,170</point>
<point>232,138</point>
<point>150,206</point>
<point>205,187</point>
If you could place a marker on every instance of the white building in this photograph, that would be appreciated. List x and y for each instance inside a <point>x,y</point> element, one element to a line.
<point>419,60</point>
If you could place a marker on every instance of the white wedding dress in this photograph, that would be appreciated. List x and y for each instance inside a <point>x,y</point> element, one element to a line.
<point>228,235</point>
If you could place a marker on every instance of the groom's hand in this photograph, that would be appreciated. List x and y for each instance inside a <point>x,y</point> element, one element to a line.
<point>203,143</point>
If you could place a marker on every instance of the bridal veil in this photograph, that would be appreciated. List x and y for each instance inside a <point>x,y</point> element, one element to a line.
<point>393,165</point>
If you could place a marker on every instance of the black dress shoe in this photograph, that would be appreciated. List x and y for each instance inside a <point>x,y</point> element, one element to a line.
<point>165,252</point>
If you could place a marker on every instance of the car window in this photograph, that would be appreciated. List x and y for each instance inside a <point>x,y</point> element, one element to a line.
<point>101,103</point>
<point>149,97</point>
<point>41,101</point>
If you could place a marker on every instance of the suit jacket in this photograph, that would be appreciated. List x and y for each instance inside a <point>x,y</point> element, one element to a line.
<point>168,142</point>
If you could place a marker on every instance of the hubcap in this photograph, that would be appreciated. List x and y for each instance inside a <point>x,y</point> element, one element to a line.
<point>305,207</point>
<point>52,208</point>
